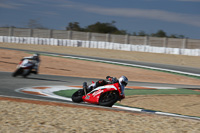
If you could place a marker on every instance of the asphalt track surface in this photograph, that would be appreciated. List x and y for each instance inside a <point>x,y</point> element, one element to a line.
<point>9,84</point>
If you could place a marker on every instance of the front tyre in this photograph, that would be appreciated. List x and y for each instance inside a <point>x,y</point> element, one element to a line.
<point>77,96</point>
<point>109,98</point>
<point>17,72</point>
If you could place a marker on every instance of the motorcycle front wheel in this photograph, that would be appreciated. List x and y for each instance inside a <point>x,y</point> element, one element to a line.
<point>17,72</point>
<point>77,96</point>
<point>109,98</point>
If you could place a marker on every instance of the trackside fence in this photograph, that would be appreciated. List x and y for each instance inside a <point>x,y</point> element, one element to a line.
<point>99,44</point>
<point>97,40</point>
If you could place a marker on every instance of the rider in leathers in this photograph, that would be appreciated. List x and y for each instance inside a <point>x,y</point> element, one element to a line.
<point>36,60</point>
<point>123,81</point>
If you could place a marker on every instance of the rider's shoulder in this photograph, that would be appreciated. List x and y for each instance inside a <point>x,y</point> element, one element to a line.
<point>115,80</point>
<point>28,57</point>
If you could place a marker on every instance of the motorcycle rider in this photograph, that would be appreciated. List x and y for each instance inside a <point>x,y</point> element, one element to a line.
<point>123,81</point>
<point>35,58</point>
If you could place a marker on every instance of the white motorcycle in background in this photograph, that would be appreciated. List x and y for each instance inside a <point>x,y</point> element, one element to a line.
<point>25,68</point>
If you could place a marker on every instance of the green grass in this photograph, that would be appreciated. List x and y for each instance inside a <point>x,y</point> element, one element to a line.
<point>65,93</point>
<point>68,93</point>
<point>161,91</point>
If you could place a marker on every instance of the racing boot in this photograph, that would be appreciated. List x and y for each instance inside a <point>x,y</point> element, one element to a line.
<point>85,87</point>
<point>90,88</point>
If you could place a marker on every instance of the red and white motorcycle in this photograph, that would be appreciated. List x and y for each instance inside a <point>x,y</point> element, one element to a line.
<point>24,68</point>
<point>104,95</point>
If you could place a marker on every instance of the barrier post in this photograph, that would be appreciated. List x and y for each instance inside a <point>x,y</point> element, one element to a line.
<point>89,36</point>
<point>184,43</point>
<point>10,31</point>
<point>146,40</point>
<point>165,42</point>
<point>50,33</point>
<point>69,34</point>
<point>127,39</point>
<point>108,37</point>
<point>31,33</point>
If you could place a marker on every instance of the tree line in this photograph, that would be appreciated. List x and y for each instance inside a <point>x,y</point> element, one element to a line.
<point>110,28</point>
<point>99,27</point>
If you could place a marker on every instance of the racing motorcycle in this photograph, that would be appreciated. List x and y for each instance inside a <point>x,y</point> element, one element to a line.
<point>103,95</point>
<point>24,68</point>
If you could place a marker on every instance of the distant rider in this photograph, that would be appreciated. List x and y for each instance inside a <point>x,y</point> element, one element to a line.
<point>123,81</point>
<point>35,58</point>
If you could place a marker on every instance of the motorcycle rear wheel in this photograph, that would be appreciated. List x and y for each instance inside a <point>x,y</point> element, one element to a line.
<point>27,73</point>
<point>109,98</point>
<point>77,96</point>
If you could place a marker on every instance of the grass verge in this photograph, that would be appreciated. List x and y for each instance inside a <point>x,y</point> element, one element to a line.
<point>68,93</point>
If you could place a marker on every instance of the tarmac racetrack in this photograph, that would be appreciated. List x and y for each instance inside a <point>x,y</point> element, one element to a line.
<point>9,84</point>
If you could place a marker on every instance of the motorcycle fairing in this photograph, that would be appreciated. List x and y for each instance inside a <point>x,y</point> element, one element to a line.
<point>26,64</point>
<point>94,95</point>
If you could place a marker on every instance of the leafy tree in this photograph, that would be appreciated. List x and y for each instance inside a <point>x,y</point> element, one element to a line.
<point>110,28</point>
<point>176,36</point>
<point>98,27</point>
<point>172,36</point>
<point>74,26</point>
<point>181,36</point>
<point>159,33</point>
<point>134,34</point>
<point>121,32</point>
<point>102,28</point>
<point>142,33</point>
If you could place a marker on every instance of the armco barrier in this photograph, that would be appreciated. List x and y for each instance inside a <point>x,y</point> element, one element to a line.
<point>99,44</point>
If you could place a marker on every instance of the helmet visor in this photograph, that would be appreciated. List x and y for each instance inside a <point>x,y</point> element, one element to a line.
<point>124,83</point>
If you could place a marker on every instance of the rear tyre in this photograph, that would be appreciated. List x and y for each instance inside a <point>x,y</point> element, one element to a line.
<point>77,96</point>
<point>109,98</point>
<point>17,72</point>
<point>27,73</point>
